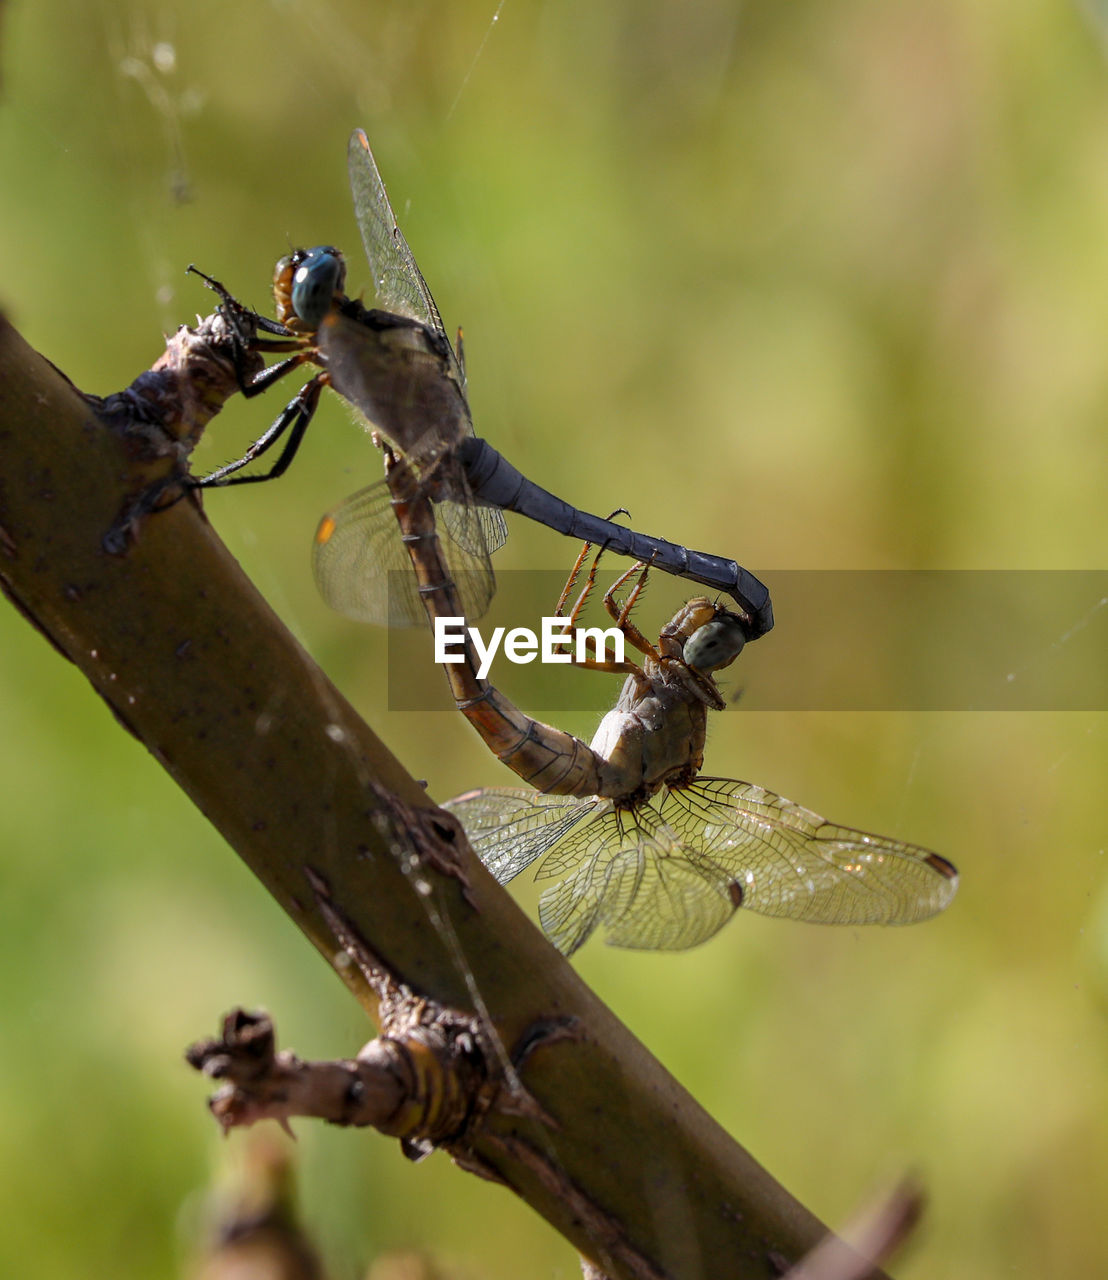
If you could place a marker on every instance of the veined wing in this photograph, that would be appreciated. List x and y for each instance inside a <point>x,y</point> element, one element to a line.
<point>785,860</point>
<point>509,827</point>
<point>397,281</point>
<point>670,873</point>
<point>362,567</point>
<point>476,529</point>
<point>616,868</point>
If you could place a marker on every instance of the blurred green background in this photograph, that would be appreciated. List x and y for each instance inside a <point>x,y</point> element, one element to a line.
<point>814,286</point>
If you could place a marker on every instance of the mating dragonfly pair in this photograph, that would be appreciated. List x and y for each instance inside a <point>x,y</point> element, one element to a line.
<point>396,365</point>
<point>636,842</point>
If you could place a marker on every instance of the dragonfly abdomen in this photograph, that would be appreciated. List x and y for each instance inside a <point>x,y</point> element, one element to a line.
<point>546,758</point>
<point>494,480</point>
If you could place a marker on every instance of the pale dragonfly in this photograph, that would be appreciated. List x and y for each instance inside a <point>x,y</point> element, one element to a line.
<point>396,365</point>
<point>633,839</point>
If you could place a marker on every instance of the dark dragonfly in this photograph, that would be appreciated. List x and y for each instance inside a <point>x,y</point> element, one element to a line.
<point>396,365</point>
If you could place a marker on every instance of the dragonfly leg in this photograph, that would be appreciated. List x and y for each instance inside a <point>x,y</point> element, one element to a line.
<point>575,634</point>
<point>245,324</point>
<point>621,614</point>
<point>277,371</point>
<point>626,667</point>
<point>575,571</point>
<point>586,591</point>
<point>297,414</point>
<point>573,575</point>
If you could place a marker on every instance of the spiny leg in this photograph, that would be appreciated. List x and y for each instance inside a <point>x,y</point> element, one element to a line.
<point>575,633</point>
<point>621,615</point>
<point>297,414</point>
<point>570,581</point>
<point>237,308</point>
<point>575,571</point>
<point>586,591</point>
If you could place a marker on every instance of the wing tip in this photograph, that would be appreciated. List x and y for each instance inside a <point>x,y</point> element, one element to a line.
<point>946,869</point>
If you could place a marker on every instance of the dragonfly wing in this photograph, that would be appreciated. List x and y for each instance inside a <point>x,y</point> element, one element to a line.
<point>466,555</point>
<point>478,529</point>
<point>360,564</point>
<point>784,860</point>
<point>509,827</point>
<point>399,287</point>
<point>671,872</point>
<point>397,281</point>
<point>494,531</point>
<point>622,870</point>
<point>634,878</point>
<point>362,567</point>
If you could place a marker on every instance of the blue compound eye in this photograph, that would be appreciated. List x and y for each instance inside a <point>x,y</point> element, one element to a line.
<point>318,277</point>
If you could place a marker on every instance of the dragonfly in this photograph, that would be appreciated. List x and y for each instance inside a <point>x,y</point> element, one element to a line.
<point>396,365</point>
<point>635,841</point>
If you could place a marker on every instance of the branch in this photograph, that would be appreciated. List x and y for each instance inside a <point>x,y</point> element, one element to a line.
<point>262,1084</point>
<point>251,1225</point>
<point>193,662</point>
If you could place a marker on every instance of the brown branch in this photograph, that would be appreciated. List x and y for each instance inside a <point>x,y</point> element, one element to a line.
<point>871,1237</point>
<point>262,1084</point>
<point>252,1225</point>
<point>568,1109</point>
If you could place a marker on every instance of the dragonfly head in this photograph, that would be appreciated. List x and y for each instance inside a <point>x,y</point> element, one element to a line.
<point>715,643</point>
<point>306,285</point>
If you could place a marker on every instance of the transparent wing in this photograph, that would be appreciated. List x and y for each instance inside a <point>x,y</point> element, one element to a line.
<point>509,827</point>
<point>493,528</point>
<point>616,869</point>
<point>629,873</point>
<point>785,860</point>
<point>478,530</point>
<point>362,567</point>
<point>411,386</point>
<point>397,281</point>
<point>670,873</point>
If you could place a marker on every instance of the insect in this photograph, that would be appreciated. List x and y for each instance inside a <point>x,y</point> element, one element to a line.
<point>396,365</point>
<point>633,839</point>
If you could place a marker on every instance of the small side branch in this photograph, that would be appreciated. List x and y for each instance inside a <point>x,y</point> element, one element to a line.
<point>260,1083</point>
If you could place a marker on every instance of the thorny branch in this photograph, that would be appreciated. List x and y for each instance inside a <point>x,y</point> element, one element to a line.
<point>262,1084</point>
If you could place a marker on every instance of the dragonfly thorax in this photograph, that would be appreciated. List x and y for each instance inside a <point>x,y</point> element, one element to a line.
<point>653,737</point>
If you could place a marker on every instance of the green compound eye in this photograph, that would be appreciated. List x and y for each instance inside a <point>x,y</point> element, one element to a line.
<point>716,644</point>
